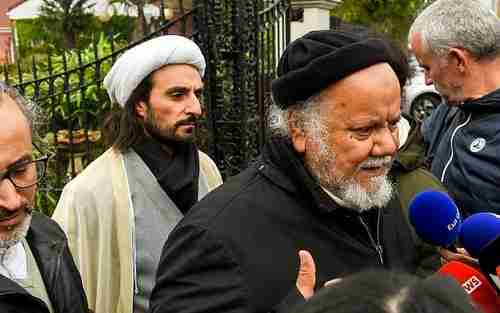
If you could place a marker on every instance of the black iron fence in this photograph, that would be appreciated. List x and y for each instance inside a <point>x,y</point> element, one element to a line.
<point>241,39</point>
<point>273,36</point>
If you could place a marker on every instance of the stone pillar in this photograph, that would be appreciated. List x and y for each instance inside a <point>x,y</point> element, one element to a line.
<point>315,16</point>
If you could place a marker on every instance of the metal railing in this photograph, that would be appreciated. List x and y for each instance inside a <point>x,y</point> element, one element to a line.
<point>241,40</point>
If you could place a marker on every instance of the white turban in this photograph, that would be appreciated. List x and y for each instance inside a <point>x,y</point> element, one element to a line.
<point>140,61</point>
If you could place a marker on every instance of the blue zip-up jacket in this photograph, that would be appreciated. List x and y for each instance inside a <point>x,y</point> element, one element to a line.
<point>464,152</point>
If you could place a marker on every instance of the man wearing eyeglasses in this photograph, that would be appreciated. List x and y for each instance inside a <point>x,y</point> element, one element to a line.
<point>37,272</point>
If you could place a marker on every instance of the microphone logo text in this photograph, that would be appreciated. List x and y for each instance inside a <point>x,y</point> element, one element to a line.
<point>454,222</point>
<point>471,284</point>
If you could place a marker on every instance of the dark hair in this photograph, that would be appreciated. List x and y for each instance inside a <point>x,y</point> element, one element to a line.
<point>381,291</point>
<point>123,128</point>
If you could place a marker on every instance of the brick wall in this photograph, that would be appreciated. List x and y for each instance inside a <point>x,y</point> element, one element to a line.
<point>5,28</point>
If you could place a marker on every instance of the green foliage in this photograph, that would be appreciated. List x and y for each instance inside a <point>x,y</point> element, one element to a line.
<point>67,102</point>
<point>34,39</point>
<point>84,97</point>
<point>390,17</point>
<point>140,25</point>
<point>66,19</point>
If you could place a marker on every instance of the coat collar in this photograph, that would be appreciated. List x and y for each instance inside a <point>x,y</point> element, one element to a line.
<point>285,167</point>
<point>489,103</point>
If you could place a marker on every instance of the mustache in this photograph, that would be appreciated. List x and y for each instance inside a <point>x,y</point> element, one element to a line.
<point>187,121</point>
<point>7,214</point>
<point>377,162</point>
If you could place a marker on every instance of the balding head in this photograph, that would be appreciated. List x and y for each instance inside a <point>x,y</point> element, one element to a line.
<point>9,95</point>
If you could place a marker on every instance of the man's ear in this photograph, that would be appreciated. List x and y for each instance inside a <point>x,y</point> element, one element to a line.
<point>297,134</point>
<point>460,58</point>
<point>141,109</point>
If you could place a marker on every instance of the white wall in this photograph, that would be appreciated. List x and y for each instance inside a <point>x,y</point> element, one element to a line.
<point>314,19</point>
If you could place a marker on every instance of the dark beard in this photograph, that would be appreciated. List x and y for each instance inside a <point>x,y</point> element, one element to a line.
<point>6,214</point>
<point>167,135</point>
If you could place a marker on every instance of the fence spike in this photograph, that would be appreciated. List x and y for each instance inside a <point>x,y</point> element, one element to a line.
<point>36,92</point>
<point>112,44</point>
<point>65,62</point>
<point>6,73</point>
<point>96,51</point>
<point>51,80</point>
<point>19,73</point>
<point>33,67</point>
<point>49,63</point>
<point>79,58</point>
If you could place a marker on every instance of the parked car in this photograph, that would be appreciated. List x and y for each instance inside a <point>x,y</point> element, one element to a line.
<point>420,99</point>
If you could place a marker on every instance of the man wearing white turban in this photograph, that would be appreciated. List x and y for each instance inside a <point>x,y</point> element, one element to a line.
<point>118,212</point>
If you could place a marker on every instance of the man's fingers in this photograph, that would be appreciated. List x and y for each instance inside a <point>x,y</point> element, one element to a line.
<point>306,279</point>
<point>462,256</point>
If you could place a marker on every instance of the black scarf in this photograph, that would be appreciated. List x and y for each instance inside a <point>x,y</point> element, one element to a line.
<point>177,174</point>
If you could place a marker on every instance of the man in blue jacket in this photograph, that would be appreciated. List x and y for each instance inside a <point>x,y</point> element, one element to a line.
<point>458,45</point>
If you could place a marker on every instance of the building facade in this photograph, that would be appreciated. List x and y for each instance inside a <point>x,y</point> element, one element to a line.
<point>6,35</point>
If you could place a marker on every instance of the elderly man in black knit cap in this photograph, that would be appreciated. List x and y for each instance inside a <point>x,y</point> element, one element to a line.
<point>321,185</point>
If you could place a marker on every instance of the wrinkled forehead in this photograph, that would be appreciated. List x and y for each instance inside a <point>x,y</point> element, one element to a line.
<point>15,134</point>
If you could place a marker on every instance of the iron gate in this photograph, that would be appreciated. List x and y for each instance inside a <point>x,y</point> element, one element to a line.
<point>241,40</point>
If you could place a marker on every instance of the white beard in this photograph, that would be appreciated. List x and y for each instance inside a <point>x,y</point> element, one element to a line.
<point>349,190</point>
<point>356,197</point>
<point>15,235</point>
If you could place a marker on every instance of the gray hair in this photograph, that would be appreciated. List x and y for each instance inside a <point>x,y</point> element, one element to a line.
<point>28,108</point>
<point>466,24</point>
<point>304,115</point>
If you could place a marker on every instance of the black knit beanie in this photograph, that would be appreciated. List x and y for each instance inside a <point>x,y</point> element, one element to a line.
<point>320,58</point>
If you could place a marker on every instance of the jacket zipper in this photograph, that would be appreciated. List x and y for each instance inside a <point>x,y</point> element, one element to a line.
<point>376,245</point>
<point>451,146</point>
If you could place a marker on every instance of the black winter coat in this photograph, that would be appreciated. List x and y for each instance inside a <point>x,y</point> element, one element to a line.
<point>59,273</point>
<point>237,249</point>
<point>15,299</point>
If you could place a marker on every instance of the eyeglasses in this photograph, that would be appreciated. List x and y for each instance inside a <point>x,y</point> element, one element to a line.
<point>27,173</point>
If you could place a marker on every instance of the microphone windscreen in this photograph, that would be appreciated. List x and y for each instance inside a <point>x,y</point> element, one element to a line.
<point>435,217</point>
<point>478,230</point>
<point>475,284</point>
